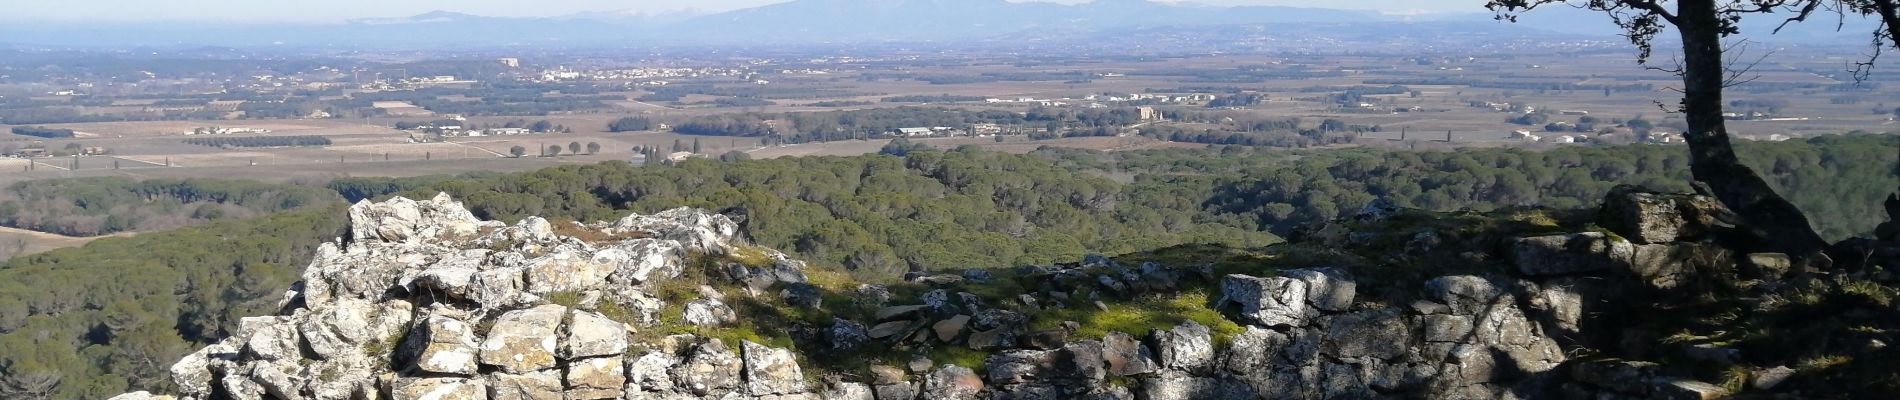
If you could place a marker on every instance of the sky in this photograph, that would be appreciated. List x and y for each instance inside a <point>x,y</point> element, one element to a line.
<point>308,11</point>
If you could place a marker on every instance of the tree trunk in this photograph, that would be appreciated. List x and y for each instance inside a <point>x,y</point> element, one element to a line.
<point>1712,158</point>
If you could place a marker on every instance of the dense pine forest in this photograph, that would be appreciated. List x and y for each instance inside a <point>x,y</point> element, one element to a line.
<point>103,206</point>
<point>92,321</point>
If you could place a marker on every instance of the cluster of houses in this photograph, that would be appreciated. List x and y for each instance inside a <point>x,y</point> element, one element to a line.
<point>37,150</point>
<point>213,130</point>
<point>1095,101</point>
<point>414,82</point>
<point>461,131</point>
<point>1657,137</point>
<point>975,130</point>
<point>645,76</point>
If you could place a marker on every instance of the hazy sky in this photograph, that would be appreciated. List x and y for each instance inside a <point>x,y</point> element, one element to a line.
<point>338,10</point>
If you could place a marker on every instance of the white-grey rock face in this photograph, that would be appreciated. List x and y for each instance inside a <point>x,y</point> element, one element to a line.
<point>426,301</point>
<point>524,340</point>
<point>1271,301</point>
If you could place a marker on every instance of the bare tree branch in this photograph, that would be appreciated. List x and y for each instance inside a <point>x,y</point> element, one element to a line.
<point>1653,8</point>
<point>1800,16</point>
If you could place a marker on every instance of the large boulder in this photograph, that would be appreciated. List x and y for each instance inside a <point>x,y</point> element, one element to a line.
<point>696,229</point>
<point>589,334</point>
<point>1654,218</point>
<point>770,371</point>
<point>401,220</point>
<point>1270,302</point>
<point>523,341</point>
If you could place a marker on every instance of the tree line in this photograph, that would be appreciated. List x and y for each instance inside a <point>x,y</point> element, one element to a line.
<point>108,205</point>
<point>261,141</point>
<point>49,133</point>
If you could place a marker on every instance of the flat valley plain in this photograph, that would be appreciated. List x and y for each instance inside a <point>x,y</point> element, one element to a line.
<point>1443,97</point>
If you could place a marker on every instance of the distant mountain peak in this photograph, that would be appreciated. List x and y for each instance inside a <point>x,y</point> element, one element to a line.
<point>437,16</point>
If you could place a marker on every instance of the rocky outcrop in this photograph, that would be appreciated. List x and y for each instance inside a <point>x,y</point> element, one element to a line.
<point>424,301</point>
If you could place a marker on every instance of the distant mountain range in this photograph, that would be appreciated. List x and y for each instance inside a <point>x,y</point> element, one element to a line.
<point>795,22</point>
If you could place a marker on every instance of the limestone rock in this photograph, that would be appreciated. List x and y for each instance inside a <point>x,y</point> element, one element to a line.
<point>339,329</point>
<point>709,312</point>
<point>886,375</point>
<point>140,395</point>
<point>270,338</point>
<point>953,383</point>
<point>898,391</point>
<point>1189,346</point>
<point>711,370</point>
<point>1016,366</point>
<point>1126,355</point>
<point>529,386</point>
<point>1768,379</point>
<point>994,339</point>
<point>1081,361</point>
<point>949,329</point>
<point>651,371</point>
<point>1176,385</point>
<point>847,335</point>
<point>401,220</point>
<point>1464,294</point>
<point>1254,350</point>
<point>802,295</point>
<point>1326,288</point>
<point>1271,302</point>
<point>438,389</point>
<point>1379,334</point>
<point>770,371</point>
<point>595,378</point>
<point>1769,266</point>
<point>570,269</point>
<point>849,391</point>
<point>589,334</point>
<point>1570,254</point>
<point>1667,266</point>
<point>696,229</point>
<point>445,345</point>
<point>194,373</point>
<point>1656,218</point>
<point>524,340</point>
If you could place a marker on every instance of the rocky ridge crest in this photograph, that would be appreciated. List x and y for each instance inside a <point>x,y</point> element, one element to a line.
<point>426,301</point>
